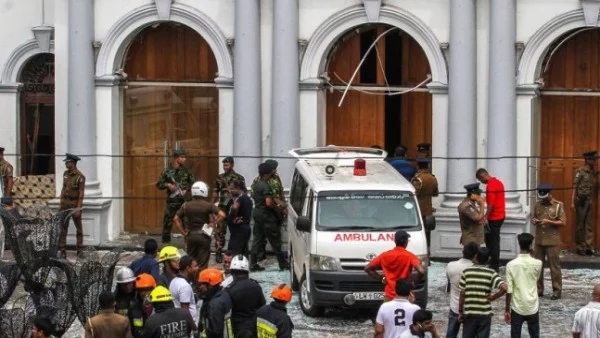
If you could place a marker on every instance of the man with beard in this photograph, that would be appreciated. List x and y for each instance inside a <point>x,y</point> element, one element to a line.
<point>238,220</point>
<point>169,256</point>
<point>215,314</point>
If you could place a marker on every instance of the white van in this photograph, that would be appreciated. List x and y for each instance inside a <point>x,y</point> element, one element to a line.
<point>342,215</point>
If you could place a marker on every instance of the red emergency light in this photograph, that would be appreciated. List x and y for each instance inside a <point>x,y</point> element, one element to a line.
<point>360,167</point>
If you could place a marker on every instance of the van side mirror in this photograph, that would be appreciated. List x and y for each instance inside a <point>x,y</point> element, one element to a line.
<point>303,224</point>
<point>429,223</point>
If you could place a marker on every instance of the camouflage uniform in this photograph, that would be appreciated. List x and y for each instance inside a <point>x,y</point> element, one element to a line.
<point>426,187</point>
<point>584,184</point>
<point>547,240</point>
<point>6,171</point>
<point>276,188</point>
<point>222,189</point>
<point>69,199</point>
<point>184,178</point>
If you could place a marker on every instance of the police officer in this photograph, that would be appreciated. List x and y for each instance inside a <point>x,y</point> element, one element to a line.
<point>215,314</point>
<point>197,212</point>
<point>141,309</point>
<point>581,203</point>
<point>125,291</point>
<point>267,225</point>
<point>71,197</point>
<point>246,297</point>
<point>177,181</point>
<point>272,320</point>
<point>426,187</point>
<point>6,175</point>
<point>424,150</point>
<point>169,256</point>
<point>548,217</point>
<point>278,194</point>
<point>167,321</point>
<point>471,212</point>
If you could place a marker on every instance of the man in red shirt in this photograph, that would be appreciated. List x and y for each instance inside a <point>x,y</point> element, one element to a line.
<point>397,263</point>
<point>495,214</point>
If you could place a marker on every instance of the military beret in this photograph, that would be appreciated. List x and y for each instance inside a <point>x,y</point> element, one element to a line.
<point>6,200</point>
<point>179,152</point>
<point>591,155</point>
<point>1,150</point>
<point>264,169</point>
<point>272,163</point>
<point>228,159</point>
<point>71,158</point>
<point>423,147</point>
<point>544,189</point>
<point>473,188</point>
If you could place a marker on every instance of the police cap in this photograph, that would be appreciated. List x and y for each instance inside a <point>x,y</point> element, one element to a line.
<point>71,158</point>
<point>590,155</point>
<point>264,169</point>
<point>228,159</point>
<point>473,188</point>
<point>1,150</point>
<point>179,153</point>
<point>423,147</point>
<point>543,190</point>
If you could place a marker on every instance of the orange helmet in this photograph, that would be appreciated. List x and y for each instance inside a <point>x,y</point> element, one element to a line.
<point>211,276</point>
<point>282,292</point>
<point>145,281</point>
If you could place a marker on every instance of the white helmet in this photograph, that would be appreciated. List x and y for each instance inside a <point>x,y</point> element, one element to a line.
<point>240,263</point>
<point>200,189</point>
<point>125,275</point>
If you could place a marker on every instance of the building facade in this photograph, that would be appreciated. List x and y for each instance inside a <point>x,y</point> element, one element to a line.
<point>507,85</point>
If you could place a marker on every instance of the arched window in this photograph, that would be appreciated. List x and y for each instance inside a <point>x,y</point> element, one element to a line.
<point>37,115</point>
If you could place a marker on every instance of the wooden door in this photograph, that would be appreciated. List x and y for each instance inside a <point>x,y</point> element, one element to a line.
<point>365,115</point>
<point>570,120</point>
<point>171,102</point>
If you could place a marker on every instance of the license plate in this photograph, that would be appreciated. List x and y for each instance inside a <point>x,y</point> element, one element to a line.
<point>368,295</point>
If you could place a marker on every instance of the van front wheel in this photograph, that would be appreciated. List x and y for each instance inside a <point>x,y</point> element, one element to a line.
<point>306,303</point>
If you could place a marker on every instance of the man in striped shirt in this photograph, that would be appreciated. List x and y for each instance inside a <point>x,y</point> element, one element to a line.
<point>587,319</point>
<point>474,305</point>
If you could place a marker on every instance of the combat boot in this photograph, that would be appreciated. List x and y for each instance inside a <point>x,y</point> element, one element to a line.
<point>283,263</point>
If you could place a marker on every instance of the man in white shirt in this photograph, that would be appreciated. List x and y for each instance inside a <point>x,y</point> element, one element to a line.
<point>395,316</point>
<point>181,290</point>
<point>228,278</point>
<point>587,319</point>
<point>522,301</point>
<point>422,326</point>
<point>454,271</point>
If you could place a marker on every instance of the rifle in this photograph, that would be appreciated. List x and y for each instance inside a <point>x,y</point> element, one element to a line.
<point>179,191</point>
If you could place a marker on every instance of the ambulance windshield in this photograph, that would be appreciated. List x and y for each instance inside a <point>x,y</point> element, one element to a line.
<point>367,210</point>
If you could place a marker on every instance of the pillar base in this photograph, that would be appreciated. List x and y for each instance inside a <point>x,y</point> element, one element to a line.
<point>94,216</point>
<point>445,239</point>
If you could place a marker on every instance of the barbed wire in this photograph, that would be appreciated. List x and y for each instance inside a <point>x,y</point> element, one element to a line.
<point>162,156</point>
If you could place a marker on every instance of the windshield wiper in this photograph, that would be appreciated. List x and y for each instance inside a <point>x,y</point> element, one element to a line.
<point>354,227</point>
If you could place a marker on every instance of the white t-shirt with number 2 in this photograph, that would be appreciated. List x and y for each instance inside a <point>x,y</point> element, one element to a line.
<point>396,317</point>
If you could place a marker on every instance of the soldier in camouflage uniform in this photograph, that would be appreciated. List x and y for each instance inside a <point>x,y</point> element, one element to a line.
<point>221,194</point>
<point>177,181</point>
<point>71,197</point>
<point>276,186</point>
<point>581,202</point>
<point>6,175</point>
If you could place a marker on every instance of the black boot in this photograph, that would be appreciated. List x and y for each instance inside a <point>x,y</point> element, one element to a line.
<point>254,264</point>
<point>219,256</point>
<point>283,263</point>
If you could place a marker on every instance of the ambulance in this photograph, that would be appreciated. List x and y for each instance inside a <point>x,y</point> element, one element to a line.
<point>345,205</point>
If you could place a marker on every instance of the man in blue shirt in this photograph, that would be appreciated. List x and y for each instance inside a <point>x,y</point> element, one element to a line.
<point>147,263</point>
<point>402,164</point>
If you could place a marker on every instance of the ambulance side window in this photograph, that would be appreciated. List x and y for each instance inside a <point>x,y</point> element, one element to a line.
<point>298,193</point>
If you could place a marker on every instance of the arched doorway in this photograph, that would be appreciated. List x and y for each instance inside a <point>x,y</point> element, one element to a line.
<point>170,102</point>
<point>570,117</point>
<point>37,115</point>
<point>368,116</point>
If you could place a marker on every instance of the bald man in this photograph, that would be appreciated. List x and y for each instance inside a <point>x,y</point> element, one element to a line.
<point>587,320</point>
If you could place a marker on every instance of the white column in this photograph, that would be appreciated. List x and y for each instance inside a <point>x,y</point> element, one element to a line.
<point>462,84</point>
<point>247,94</point>
<point>9,131</point>
<point>82,103</point>
<point>502,109</point>
<point>285,119</point>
